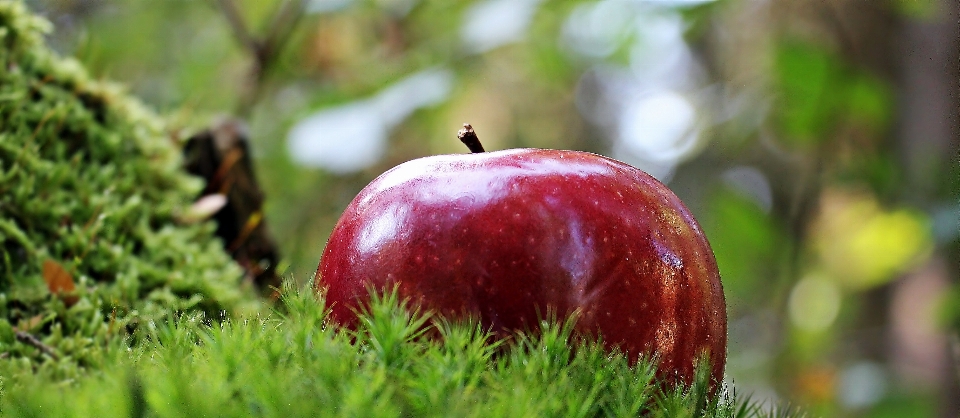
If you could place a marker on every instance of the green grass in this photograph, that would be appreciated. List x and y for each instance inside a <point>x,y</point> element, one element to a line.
<point>292,362</point>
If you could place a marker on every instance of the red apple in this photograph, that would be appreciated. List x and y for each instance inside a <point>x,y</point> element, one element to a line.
<point>506,236</point>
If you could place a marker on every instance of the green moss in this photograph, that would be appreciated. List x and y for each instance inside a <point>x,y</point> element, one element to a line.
<point>294,364</point>
<point>91,180</point>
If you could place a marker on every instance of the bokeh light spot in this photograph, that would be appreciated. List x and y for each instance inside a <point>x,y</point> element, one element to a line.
<point>814,303</point>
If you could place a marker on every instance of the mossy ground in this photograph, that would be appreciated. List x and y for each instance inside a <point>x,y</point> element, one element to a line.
<point>292,363</point>
<point>91,197</point>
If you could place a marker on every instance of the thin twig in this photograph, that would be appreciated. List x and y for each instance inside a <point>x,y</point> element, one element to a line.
<point>264,50</point>
<point>232,14</point>
<point>29,339</point>
<point>284,21</point>
<point>278,33</point>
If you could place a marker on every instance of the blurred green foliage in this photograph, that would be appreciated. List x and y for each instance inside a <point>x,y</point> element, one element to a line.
<point>810,89</point>
<point>740,235</point>
<point>817,91</point>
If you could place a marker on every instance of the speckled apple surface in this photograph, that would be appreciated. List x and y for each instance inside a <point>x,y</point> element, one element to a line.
<point>508,235</point>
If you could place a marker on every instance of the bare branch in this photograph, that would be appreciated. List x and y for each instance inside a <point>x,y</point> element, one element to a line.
<point>282,25</point>
<point>263,50</point>
<point>232,14</point>
<point>29,339</point>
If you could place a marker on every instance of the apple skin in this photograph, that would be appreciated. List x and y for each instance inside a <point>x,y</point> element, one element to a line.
<point>506,236</point>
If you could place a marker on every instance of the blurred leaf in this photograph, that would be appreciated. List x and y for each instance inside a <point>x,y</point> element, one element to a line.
<point>863,245</point>
<point>807,81</point>
<point>878,170</point>
<point>917,9</point>
<point>816,90</point>
<point>745,241</point>
<point>59,281</point>
<point>870,103</point>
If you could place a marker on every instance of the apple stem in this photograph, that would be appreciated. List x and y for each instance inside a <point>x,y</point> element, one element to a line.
<point>469,138</point>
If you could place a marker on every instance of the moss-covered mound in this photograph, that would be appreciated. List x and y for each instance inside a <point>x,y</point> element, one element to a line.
<point>92,197</point>
<point>293,366</point>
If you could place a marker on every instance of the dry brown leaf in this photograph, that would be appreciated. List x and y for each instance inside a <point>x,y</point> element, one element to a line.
<point>59,281</point>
